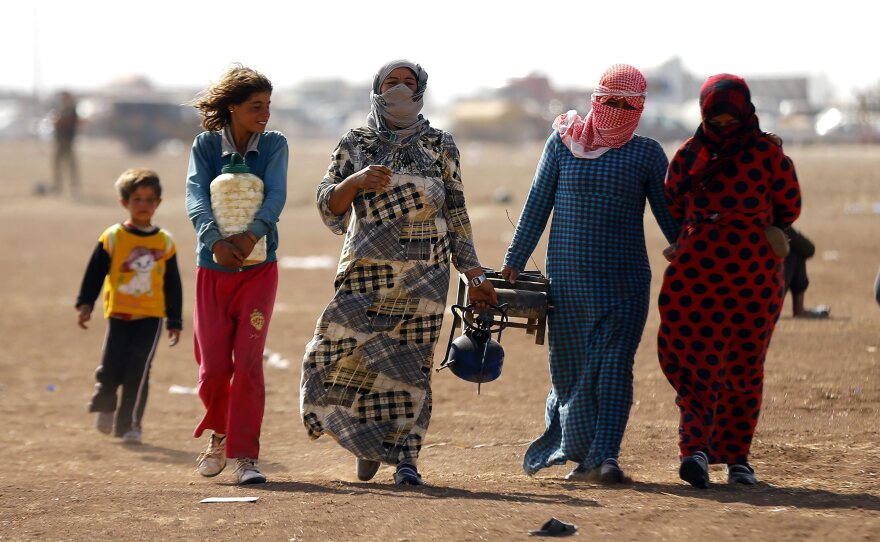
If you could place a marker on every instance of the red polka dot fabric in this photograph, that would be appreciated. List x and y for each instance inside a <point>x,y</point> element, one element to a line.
<point>722,293</point>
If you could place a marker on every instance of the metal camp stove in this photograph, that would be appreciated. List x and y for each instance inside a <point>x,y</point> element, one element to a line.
<point>526,301</point>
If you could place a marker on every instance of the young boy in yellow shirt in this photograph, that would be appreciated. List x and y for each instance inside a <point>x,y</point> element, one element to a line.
<point>136,263</point>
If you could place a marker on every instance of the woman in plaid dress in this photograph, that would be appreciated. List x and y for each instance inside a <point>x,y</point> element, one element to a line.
<point>594,175</point>
<point>366,378</point>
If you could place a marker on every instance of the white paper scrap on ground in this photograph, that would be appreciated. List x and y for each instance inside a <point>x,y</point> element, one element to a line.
<point>182,390</point>
<point>229,499</point>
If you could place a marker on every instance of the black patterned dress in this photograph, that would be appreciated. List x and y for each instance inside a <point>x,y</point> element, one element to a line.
<point>366,377</point>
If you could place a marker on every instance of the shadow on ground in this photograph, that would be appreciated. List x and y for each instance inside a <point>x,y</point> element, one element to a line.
<point>426,492</point>
<point>765,494</point>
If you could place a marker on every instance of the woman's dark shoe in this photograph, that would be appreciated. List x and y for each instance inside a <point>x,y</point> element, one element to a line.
<point>610,472</point>
<point>407,475</point>
<point>695,470</point>
<point>741,473</point>
<point>366,469</point>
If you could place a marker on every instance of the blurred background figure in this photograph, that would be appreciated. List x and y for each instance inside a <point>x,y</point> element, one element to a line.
<point>877,288</point>
<point>64,123</point>
<point>796,280</point>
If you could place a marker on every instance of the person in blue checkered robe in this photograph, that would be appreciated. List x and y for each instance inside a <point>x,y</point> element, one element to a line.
<point>599,289</point>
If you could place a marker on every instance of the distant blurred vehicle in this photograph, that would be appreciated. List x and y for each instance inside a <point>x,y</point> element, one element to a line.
<point>663,128</point>
<point>497,119</point>
<point>852,132</point>
<point>142,124</point>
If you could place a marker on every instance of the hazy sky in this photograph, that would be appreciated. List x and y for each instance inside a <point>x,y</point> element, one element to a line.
<point>463,44</point>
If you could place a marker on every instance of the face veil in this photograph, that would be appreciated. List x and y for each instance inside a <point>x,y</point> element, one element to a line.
<point>395,114</point>
<point>606,126</point>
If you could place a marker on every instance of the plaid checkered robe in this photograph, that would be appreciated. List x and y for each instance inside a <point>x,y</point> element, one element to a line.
<point>366,378</point>
<point>599,288</point>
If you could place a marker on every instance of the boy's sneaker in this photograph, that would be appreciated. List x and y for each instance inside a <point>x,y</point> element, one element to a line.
<point>247,471</point>
<point>212,461</point>
<point>695,470</point>
<point>822,311</point>
<point>104,422</point>
<point>132,437</point>
<point>742,473</point>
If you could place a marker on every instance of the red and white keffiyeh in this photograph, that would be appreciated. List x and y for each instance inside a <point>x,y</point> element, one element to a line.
<point>605,127</point>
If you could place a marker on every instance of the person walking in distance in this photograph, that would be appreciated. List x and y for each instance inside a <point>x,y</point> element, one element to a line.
<point>65,122</point>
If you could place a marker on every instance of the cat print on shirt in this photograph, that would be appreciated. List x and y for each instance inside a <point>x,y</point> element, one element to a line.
<point>141,261</point>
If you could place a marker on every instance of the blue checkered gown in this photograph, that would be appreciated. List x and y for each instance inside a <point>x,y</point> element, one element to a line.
<point>599,288</point>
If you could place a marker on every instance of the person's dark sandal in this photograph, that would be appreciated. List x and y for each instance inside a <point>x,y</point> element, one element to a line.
<point>407,475</point>
<point>610,472</point>
<point>695,470</point>
<point>366,469</point>
<point>741,473</point>
<point>555,527</point>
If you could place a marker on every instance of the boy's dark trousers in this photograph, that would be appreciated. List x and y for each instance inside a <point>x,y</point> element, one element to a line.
<point>795,273</point>
<point>128,353</point>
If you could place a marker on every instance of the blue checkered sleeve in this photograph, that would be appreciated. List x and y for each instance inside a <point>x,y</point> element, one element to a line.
<point>657,199</point>
<point>537,208</point>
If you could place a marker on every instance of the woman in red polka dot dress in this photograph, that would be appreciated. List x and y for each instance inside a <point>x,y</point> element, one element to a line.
<point>722,291</point>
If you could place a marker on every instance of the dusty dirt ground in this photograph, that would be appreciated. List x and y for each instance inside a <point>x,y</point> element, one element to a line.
<point>816,448</point>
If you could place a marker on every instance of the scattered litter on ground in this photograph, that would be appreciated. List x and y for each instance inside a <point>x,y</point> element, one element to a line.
<point>502,195</point>
<point>274,359</point>
<point>308,262</point>
<point>40,188</point>
<point>854,208</point>
<point>859,208</point>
